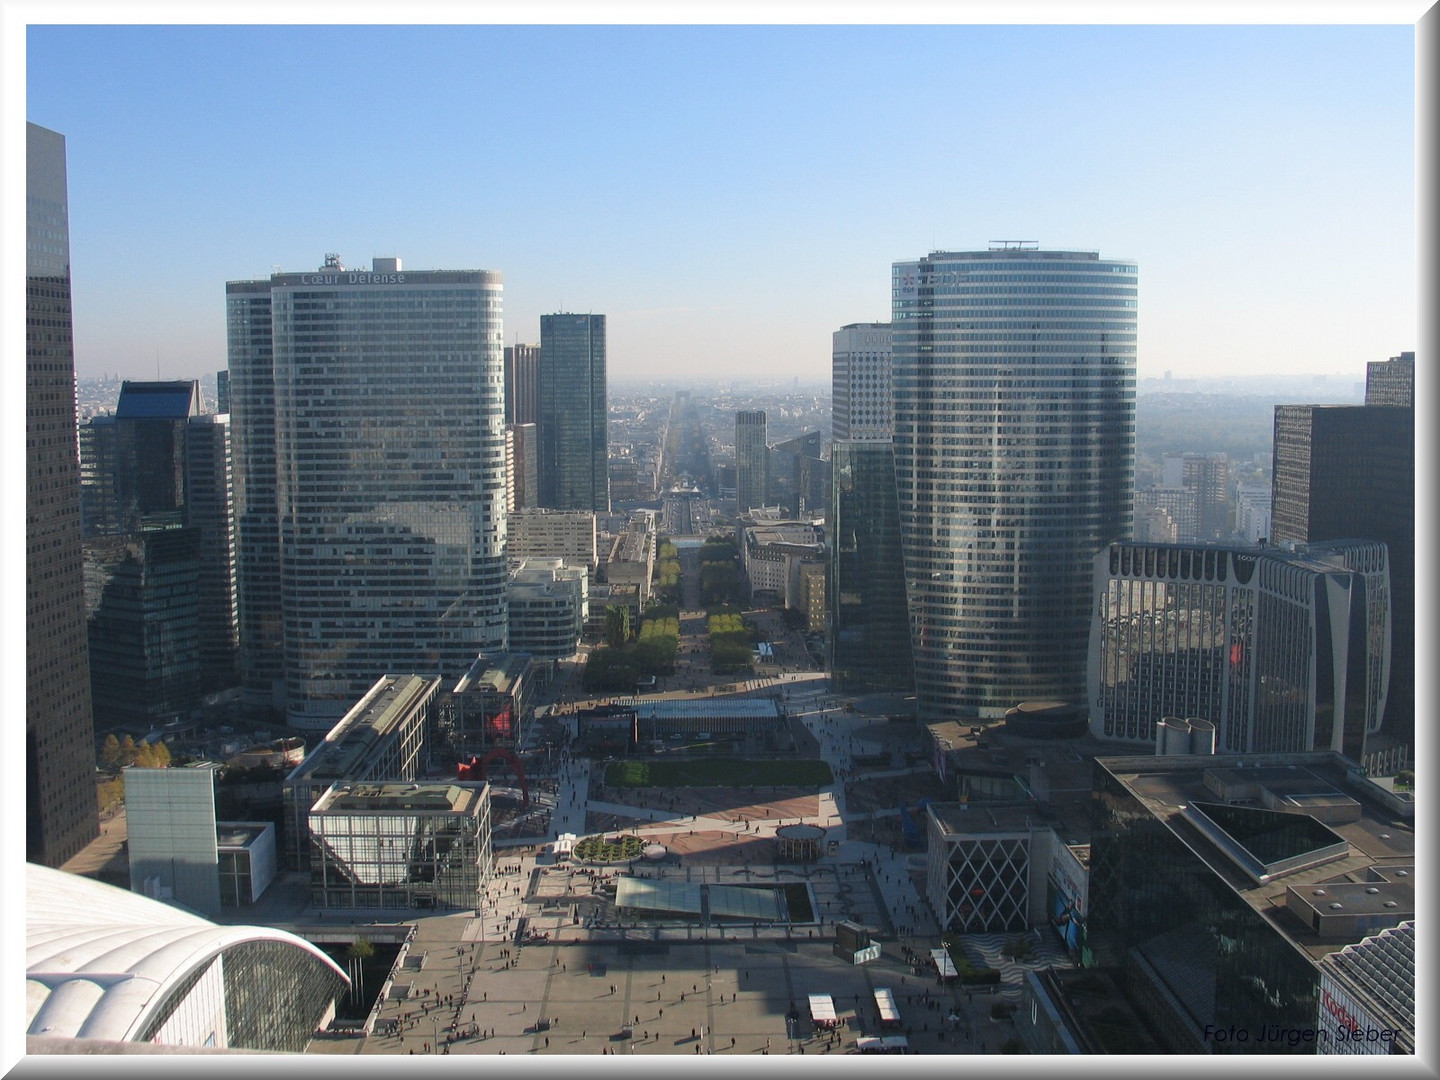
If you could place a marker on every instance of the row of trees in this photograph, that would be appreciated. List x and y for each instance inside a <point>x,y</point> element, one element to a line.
<point>667,573</point>
<point>618,665</point>
<point>720,580</point>
<point>730,640</point>
<point>117,754</point>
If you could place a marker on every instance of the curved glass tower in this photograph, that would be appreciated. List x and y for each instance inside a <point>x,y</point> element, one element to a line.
<point>1014,377</point>
<point>387,460</point>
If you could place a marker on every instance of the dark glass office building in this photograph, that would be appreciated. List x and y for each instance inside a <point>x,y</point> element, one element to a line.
<point>1349,471</point>
<point>1217,884</point>
<point>572,424</point>
<point>60,810</point>
<point>1014,382</point>
<point>869,622</point>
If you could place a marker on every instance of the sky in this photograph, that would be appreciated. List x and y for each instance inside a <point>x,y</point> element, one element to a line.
<point>727,195</point>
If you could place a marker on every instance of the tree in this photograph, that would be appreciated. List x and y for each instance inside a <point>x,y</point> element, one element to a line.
<point>356,955</point>
<point>110,751</point>
<point>128,751</point>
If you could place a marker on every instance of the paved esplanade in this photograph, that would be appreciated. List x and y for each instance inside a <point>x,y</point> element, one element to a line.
<point>471,986</point>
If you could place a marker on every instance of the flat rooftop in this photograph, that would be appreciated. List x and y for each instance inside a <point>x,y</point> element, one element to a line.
<point>704,708</point>
<point>1379,844</point>
<point>403,798</point>
<point>966,819</point>
<point>358,733</point>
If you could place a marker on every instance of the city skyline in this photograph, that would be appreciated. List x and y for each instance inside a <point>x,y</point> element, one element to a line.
<point>729,195</point>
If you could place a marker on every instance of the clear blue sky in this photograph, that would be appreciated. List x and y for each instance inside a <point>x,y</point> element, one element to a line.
<point>729,196</point>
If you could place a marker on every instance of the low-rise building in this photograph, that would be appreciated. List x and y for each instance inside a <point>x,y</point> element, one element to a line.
<point>549,604</point>
<point>382,737</point>
<point>400,845</point>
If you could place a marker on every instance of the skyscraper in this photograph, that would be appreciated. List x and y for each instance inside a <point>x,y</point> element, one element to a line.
<point>573,419</point>
<point>1349,471</point>
<point>1014,457</point>
<point>60,809</point>
<point>522,383</point>
<point>388,471</point>
<point>869,624</point>
<point>1391,382</point>
<point>751,460</point>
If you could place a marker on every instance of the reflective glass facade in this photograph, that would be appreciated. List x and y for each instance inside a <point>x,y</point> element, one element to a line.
<point>1281,650</point>
<point>1193,950</point>
<point>869,624</point>
<point>1014,383</point>
<point>751,460</point>
<point>389,474</point>
<point>60,809</point>
<point>573,419</point>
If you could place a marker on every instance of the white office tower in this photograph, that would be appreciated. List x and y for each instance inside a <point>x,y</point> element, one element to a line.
<point>1014,375</point>
<point>862,394</point>
<point>371,403</point>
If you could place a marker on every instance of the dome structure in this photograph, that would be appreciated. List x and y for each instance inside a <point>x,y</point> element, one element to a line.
<point>104,963</point>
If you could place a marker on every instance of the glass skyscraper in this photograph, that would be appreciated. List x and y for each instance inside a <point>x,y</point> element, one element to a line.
<point>751,460</point>
<point>869,628</point>
<point>387,467</point>
<point>60,809</point>
<point>573,417</point>
<point>1014,381</point>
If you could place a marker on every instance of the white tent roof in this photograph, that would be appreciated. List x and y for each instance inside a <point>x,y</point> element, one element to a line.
<point>98,959</point>
<point>822,1007</point>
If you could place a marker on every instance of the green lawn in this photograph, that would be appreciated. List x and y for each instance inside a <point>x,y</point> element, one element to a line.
<point>718,772</point>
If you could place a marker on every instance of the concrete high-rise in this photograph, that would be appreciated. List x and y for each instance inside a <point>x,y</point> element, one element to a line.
<point>573,418</point>
<point>386,411</point>
<point>1014,376</point>
<point>522,383</point>
<point>751,460</point>
<point>861,393</point>
<point>60,809</point>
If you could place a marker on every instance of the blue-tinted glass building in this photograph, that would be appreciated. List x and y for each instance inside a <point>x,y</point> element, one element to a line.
<point>572,422</point>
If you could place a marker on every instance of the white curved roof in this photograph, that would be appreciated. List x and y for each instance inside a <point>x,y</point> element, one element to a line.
<point>98,959</point>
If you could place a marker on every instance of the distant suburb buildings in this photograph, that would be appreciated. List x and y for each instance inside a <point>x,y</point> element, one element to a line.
<point>1014,377</point>
<point>368,420</point>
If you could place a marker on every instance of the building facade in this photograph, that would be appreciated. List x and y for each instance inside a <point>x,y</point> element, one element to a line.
<point>143,595</point>
<point>549,603</point>
<point>1014,382</point>
<point>751,460</point>
<point>1282,650</point>
<point>573,419</point>
<point>173,844</point>
<point>405,846</point>
<point>522,383</point>
<point>61,814</point>
<point>869,624</point>
<point>389,449</point>
<point>1391,382</point>
<point>384,736</point>
<point>861,392</point>
<point>554,534</point>
<point>1198,867</point>
<point>1349,471</point>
